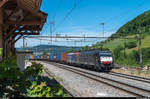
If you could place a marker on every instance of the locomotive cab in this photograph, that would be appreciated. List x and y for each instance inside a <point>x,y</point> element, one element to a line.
<point>106,60</point>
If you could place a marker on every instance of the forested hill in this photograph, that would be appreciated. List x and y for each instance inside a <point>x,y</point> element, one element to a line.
<point>49,48</point>
<point>132,27</point>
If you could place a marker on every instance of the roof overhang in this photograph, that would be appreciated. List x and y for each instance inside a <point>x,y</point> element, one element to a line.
<point>23,17</point>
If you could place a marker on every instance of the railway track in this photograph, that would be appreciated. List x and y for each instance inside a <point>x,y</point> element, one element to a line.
<point>138,78</point>
<point>68,92</point>
<point>134,90</point>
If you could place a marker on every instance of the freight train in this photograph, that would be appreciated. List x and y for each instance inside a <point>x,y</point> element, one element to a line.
<point>94,59</point>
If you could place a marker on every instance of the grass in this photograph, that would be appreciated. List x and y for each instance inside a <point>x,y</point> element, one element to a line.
<point>145,44</point>
<point>114,43</point>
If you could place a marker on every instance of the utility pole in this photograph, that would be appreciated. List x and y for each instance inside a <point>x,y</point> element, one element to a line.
<point>103,28</point>
<point>103,33</point>
<point>124,46</point>
<point>140,50</point>
<point>23,42</point>
<point>51,29</point>
<point>124,42</point>
<point>36,51</point>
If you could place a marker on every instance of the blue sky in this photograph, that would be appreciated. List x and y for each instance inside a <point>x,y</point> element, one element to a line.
<point>86,18</point>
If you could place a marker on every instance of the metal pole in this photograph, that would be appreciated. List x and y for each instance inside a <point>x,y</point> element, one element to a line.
<point>23,42</point>
<point>124,46</point>
<point>103,28</point>
<point>124,42</point>
<point>51,29</point>
<point>140,50</point>
<point>103,32</point>
<point>36,51</point>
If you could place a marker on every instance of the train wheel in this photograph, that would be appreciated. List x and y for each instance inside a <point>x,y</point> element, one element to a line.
<point>90,67</point>
<point>97,69</point>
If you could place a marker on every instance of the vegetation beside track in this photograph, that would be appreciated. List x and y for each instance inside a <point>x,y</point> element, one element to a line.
<point>14,83</point>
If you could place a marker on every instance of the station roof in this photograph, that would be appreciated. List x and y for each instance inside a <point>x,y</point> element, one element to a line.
<point>23,17</point>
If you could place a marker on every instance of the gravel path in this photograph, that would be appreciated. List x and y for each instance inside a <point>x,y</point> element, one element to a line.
<point>83,86</point>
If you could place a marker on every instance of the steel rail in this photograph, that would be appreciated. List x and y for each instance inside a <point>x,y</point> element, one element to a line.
<point>145,92</point>
<point>138,78</point>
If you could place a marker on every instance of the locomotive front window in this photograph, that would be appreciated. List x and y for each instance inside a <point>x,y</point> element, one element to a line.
<point>105,55</point>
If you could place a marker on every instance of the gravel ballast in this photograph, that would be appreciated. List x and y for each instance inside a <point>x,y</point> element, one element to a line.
<point>82,86</point>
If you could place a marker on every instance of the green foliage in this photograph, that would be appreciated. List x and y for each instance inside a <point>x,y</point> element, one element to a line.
<point>39,90</point>
<point>34,70</point>
<point>105,49</point>
<point>59,91</point>
<point>85,48</point>
<point>70,50</point>
<point>131,44</point>
<point>14,83</point>
<point>9,69</point>
<point>44,53</point>
<point>117,51</point>
<point>132,59</point>
<point>132,27</point>
<point>146,53</point>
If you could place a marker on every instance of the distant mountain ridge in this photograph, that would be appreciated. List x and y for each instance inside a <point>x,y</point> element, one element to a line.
<point>49,49</point>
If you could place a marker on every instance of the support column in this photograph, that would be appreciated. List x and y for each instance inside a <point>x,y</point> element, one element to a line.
<point>13,48</point>
<point>1,33</point>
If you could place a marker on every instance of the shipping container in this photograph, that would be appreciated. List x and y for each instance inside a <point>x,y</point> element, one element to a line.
<point>35,57</point>
<point>48,57</point>
<point>44,56</point>
<point>52,57</point>
<point>63,57</point>
<point>27,57</point>
<point>38,57</point>
<point>58,58</point>
<point>41,57</point>
<point>31,57</point>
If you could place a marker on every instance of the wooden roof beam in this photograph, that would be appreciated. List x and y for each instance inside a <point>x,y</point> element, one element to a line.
<point>25,22</point>
<point>10,33</point>
<point>3,2</point>
<point>28,29</point>
<point>27,33</point>
<point>17,39</point>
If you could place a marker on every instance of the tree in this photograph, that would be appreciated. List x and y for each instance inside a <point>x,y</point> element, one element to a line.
<point>70,50</point>
<point>44,53</point>
<point>117,51</point>
<point>131,44</point>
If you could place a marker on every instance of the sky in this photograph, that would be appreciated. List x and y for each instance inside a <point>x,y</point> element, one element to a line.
<point>85,19</point>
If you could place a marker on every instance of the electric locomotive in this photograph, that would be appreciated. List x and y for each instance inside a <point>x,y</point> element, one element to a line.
<point>96,59</point>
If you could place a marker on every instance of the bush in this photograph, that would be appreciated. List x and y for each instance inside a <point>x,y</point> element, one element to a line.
<point>117,51</point>
<point>130,44</point>
<point>134,57</point>
<point>146,53</point>
<point>105,49</point>
<point>14,83</point>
